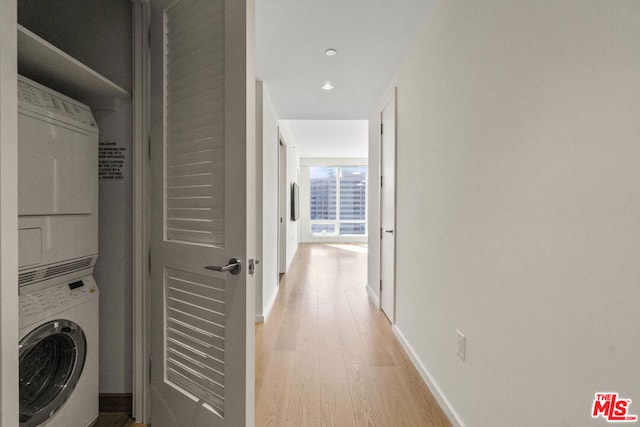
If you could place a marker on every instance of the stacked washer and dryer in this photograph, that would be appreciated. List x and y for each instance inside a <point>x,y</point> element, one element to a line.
<point>58,248</point>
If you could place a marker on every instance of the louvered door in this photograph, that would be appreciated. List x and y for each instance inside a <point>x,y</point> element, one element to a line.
<point>202,320</point>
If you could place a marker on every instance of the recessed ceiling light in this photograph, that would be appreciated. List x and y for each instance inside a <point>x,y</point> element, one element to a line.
<point>330,52</point>
<point>327,85</point>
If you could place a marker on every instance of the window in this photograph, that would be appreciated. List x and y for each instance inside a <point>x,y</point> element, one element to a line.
<point>338,200</point>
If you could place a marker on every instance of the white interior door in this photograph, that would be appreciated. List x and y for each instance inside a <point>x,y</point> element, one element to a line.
<point>202,130</point>
<point>388,209</point>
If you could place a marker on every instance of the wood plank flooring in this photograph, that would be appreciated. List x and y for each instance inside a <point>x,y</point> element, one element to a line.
<point>326,356</point>
<point>115,420</point>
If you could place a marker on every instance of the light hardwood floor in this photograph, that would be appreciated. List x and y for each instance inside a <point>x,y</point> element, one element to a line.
<point>326,356</point>
<point>115,420</point>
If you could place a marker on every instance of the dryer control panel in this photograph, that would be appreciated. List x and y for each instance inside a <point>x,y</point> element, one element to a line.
<point>57,298</point>
<point>41,100</point>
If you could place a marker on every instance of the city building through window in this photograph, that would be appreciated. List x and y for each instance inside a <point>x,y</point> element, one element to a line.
<point>338,200</point>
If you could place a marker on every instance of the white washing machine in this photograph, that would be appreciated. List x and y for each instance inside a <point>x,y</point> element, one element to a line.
<point>59,354</point>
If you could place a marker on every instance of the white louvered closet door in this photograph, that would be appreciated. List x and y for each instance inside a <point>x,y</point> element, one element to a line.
<point>200,326</point>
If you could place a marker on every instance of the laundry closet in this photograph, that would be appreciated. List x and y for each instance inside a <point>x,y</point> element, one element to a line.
<point>62,44</point>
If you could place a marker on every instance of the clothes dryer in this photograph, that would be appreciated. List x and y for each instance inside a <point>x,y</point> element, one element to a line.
<point>57,185</point>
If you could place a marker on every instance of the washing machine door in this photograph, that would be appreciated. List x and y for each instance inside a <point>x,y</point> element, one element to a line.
<point>51,360</point>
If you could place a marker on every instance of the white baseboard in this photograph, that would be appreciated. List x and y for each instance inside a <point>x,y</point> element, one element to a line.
<point>431,384</point>
<point>261,318</point>
<point>271,303</point>
<point>373,296</point>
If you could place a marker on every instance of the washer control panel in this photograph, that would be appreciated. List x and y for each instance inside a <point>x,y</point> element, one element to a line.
<point>57,297</point>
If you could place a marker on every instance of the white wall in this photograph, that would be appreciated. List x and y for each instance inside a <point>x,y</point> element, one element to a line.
<point>293,175</point>
<point>373,206</point>
<point>293,227</point>
<point>269,131</point>
<point>518,207</point>
<point>98,33</point>
<point>113,270</point>
<point>267,139</point>
<point>305,201</point>
<point>259,197</point>
<point>8,215</point>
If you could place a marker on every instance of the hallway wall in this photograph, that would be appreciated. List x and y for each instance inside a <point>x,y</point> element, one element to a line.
<point>293,175</point>
<point>267,213</point>
<point>373,201</point>
<point>518,207</point>
<point>269,129</point>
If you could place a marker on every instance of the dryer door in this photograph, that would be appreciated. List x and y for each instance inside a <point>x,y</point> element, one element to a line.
<point>51,361</point>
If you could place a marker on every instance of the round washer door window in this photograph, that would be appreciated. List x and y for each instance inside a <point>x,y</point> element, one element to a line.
<point>51,360</point>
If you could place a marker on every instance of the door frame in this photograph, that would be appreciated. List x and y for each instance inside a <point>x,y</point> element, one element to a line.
<point>141,346</point>
<point>9,365</point>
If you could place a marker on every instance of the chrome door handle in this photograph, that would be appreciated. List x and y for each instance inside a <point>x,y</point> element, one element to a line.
<point>234,266</point>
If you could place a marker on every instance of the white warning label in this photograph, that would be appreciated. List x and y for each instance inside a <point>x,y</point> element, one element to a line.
<point>111,160</point>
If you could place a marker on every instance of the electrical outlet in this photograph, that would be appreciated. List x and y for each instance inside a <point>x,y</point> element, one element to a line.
<point>460,345</point>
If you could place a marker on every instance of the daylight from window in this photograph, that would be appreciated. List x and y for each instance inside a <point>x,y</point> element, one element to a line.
<point>338,200</point>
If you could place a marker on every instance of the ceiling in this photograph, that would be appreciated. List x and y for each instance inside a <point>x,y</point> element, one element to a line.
<point>329,138</point>
<point>370,36</point>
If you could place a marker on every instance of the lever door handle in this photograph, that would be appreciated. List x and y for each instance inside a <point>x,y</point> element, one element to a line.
<point>389,231</point>
<point>234,266</point>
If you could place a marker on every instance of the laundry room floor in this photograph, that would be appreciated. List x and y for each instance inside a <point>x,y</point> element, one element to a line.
<point>115,420</point>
